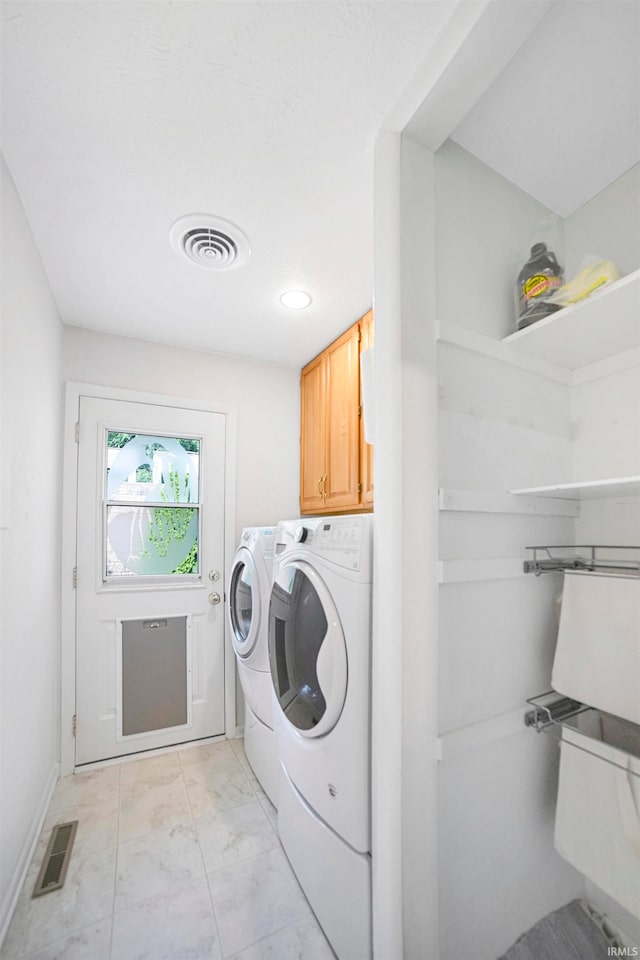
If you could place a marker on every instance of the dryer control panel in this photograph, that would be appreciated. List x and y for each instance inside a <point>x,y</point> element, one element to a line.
<point>339,539</point>
<point>345,541</point>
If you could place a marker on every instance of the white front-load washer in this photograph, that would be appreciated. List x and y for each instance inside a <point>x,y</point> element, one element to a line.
<point>249,592</point>
<point>320,658</point>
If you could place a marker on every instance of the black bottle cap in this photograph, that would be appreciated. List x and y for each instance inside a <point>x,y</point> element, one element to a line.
<point>538,248</point>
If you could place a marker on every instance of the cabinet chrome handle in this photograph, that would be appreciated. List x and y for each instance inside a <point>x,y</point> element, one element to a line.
<point>324,485</point>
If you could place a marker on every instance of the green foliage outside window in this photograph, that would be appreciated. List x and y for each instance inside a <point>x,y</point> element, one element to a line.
<point>171,524</point>
<point>190,562</point>
<point>119,440</point>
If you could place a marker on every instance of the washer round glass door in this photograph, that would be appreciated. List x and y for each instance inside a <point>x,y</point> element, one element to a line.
<point>244,603</point>
<point>307,651</point>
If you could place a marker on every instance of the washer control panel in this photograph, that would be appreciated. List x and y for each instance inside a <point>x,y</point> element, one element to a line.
<point>267,538</point>
<point>264,537</point>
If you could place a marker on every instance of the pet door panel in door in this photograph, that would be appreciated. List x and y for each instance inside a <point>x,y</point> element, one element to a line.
<point>155,675</point>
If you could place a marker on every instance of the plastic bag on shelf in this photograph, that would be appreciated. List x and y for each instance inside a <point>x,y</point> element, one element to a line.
<point>594,273</point>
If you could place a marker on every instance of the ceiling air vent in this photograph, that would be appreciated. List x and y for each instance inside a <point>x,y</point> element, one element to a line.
<point>210,242</point>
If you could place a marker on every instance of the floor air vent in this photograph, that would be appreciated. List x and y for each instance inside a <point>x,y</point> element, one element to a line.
<point>56,859</point>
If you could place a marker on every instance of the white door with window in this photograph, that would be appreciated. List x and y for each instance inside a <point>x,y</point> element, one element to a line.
<point>150,577</point>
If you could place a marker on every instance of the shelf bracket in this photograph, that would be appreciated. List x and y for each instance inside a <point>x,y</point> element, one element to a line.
<point>555,710</point>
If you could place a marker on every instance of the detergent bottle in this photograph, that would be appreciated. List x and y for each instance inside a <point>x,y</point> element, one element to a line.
<point>539,278</point>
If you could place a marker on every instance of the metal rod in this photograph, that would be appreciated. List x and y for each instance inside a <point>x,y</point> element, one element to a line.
<point>550,718</point>
<point>582,546</point>
<point>598,756</point>
<point>551,563</point>
<point>546,566</point>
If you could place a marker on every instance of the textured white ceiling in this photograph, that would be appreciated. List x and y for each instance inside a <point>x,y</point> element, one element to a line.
<point>118,118</point>
<point>562,120</point>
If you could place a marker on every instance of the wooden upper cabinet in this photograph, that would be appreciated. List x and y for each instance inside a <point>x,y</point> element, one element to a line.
<point>342,361</point>
<point>331,437</point>
<point>366,449</point>
<point>312,435</point>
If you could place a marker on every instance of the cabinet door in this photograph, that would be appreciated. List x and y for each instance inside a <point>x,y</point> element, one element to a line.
<point>312,435</point>
<point>366,449</point>
<point>342,360</point>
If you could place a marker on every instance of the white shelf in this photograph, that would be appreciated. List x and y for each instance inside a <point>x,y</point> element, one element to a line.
<point>605,324</point>
<point>457,336</point>
<point>586,490</point>
<point>488,501</point>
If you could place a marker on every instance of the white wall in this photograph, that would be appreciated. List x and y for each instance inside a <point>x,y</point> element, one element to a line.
<point>266,397</point>
<point>31,467</point>
<point>484,223</point>
<point>606,396</point>
<point>606,426</point>
<point>607,226</point>
<point>499,427</point>
<point>606,414</point>
<point>605,402</point>
<point>416,634</point>
<point>502,427</point>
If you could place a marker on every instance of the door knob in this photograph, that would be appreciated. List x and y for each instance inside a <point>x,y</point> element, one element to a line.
<point>214,598</point>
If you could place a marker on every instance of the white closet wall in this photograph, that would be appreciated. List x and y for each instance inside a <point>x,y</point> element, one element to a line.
<point>607,226</point>
<point>606,395</point>
<point>606,413</point>
<point>525,413</point>
<point>500,426</point>
<point>508,420</point>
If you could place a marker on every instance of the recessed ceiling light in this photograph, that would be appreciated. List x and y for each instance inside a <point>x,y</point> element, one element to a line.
<point>296,299</point>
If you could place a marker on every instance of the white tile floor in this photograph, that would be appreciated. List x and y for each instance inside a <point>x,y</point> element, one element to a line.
<point>176,858</point>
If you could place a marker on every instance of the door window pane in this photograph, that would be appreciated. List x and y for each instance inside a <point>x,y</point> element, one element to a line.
<point>143,536</point>
<point>151,541</point>
<point>152,469</point>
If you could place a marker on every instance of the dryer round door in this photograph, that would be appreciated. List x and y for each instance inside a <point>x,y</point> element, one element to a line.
<point>244,603</point>
<point>307,650</point>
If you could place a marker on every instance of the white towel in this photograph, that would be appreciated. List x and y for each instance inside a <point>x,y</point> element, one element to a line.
<point>597,658</point>
<point>597,816</point>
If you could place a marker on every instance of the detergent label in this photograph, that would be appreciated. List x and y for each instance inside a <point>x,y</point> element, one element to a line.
<point>540,285</point>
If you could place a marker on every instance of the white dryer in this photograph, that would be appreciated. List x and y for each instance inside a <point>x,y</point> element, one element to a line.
<point>249,592</point>
<point>320,658</point>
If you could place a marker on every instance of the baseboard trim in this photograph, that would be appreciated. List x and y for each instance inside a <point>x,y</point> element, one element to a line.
<point>8,904</point>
